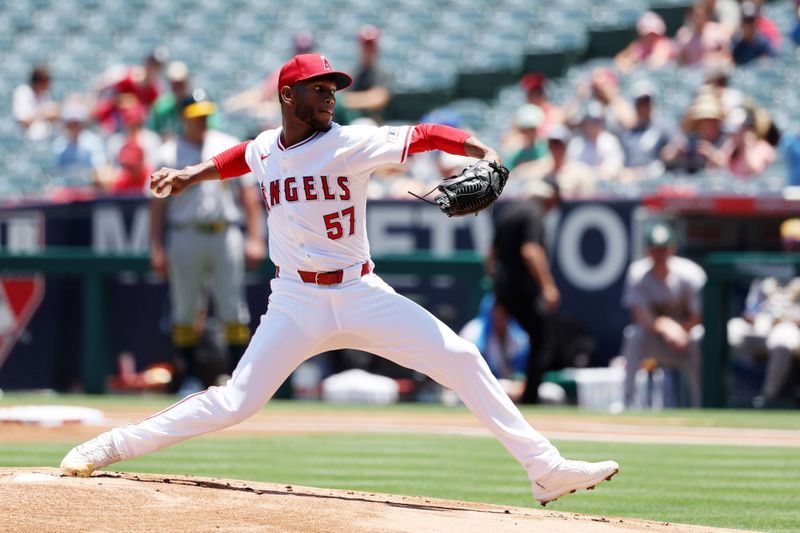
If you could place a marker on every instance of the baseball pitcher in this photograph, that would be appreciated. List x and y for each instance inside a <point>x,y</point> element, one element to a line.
<point>325,295</point>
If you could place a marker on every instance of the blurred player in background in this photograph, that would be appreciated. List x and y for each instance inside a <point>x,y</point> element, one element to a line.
<point>204,242</point>
<point>770,324</point>
<point>663,293</point>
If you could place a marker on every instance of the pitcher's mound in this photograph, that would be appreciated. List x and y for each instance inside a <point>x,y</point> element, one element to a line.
<point>38,499</point>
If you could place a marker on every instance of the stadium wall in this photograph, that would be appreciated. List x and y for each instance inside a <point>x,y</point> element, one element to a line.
<point>591,244</point>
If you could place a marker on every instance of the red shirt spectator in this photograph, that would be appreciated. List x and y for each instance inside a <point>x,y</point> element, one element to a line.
<point>534,85</point>
<point>146,90</point>
<point>138,82</point>
<point>134,172</point>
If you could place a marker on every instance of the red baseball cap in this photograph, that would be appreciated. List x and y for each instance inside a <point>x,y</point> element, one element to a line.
<point>306,66</point>
<point>533,80</point>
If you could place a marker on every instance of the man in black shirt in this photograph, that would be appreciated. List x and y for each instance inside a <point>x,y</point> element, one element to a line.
<point>369,94</point>
<point>523,283</point>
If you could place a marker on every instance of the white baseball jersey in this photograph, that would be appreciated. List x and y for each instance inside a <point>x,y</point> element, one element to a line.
<point>316,192</point>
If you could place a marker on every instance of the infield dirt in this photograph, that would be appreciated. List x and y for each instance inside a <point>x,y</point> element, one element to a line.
<point>38,499</point>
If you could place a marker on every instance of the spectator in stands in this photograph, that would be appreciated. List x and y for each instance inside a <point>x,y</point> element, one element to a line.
<point>769,326</point>
<point>644,143</point>
<point>596,146</point>
<point>32,106</point>
<point>165,117</point>
<point>717,82</point>
<point>369,94</point>
<point>80,155</point>
<point>701,147</point>
<point>790,149</point>
<point>532,148</point>
<point>575,179</point>
<point>652,49</point>
<point>767,27</point>
<point>140,82</point>
<point>261,100</point>
<point>133,115</point>
<point>143,80</point>
<point>523,283</point>
<point>602,88</point>
<point>534,86</point>
<point>726,12</point>
<point>750,44</point>
<point>795,34</point>
<point>663,293</point>
<point>133,172</point>
<point>702,41</point>
<point>503,343</point>
<point>746,154</point>
<point>764,125</point>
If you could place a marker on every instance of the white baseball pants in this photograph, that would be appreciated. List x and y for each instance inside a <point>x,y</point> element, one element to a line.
<point>364,313</point>
<point>781,341</point>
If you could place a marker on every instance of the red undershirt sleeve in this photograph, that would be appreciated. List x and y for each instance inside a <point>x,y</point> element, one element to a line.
<point>232,163</point>
<point>428,137</point>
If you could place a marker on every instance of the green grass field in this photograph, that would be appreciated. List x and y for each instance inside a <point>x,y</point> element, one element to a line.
<point>726,486</point>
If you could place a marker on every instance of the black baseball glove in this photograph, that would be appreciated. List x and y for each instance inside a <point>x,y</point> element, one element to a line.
<point>474,189</point>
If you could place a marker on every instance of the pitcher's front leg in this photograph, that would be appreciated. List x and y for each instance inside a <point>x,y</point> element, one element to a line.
<point>274,352</point>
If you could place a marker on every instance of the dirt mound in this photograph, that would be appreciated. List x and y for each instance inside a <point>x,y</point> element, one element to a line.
<point>38,499</point>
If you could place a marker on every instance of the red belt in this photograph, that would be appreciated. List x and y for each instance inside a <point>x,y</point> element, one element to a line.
<point>326,278</point>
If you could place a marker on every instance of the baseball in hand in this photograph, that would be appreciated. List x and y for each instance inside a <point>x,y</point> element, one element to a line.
<point>163,193</point>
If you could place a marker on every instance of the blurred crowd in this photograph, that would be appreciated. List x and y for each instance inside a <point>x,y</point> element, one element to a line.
<point>601,138</point>
<point>595,140</point>
<point>109,139</point>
